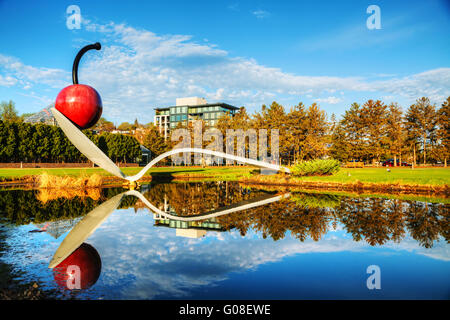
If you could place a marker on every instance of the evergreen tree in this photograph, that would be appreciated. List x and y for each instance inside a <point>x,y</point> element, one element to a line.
<point>395,131</point>
<point>25,141</point>
<point>340,148</point>
<point>421,119</point>
<point>373,118</point>
<point>443,132</point>
<point>297,131</point>
<point>354,130</point>
<point>316,128</point>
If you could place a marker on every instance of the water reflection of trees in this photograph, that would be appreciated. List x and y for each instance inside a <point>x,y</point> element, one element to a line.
<point>280,217</point>
<point>427,221</point>
<point>197,198</point>
<point>303,215</point>
<point>379,220</point>
<point>26,206</point>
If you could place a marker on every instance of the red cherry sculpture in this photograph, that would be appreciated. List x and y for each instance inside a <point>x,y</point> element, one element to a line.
<point>80,103</point>
<point>80,270</point>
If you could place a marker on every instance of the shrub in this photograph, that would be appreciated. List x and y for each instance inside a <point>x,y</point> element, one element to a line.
<point>316,167</point>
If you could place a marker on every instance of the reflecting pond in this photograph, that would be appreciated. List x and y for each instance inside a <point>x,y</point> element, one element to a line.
<point>223,240</point>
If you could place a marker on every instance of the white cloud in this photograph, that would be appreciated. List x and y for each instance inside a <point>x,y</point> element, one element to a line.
<point>137,70</point>
<point>434,84</point>
<point>261,14</point>
<point>7,81</point>
<point>18,72</point>
<point>329,100</point>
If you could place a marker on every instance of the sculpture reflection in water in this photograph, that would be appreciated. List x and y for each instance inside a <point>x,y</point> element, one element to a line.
<point>77,265</point>
<point>80,270</point>
<point>305,215</point>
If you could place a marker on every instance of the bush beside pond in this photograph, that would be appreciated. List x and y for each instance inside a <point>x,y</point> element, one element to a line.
<point>316,167</point>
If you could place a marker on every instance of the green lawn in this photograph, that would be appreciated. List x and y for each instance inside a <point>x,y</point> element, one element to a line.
<point>428,176</point>
<point>228,173</point>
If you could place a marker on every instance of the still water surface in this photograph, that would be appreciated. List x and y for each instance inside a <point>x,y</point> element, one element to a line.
<point>231,242</point>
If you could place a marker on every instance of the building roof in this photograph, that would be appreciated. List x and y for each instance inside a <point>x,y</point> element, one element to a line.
<point>222,104</point>
<point>143,149</point>
<point>43,116</point>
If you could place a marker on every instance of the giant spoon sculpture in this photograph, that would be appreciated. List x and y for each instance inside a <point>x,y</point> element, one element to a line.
<point>79,106</point>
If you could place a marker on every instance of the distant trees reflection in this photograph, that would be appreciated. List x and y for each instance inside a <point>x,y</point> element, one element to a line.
<point>303,215</point>
<point>374,220</point>
<point>26,206</point>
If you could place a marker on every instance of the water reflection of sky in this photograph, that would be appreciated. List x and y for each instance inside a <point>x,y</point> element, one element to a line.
<point>142,261</point>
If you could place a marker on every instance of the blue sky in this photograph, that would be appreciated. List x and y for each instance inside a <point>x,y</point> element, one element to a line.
<point>241,52</point>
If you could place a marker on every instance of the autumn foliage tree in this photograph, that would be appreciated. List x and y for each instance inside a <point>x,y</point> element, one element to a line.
<point>395,133</point>
<point>443,132</point>
<point>421,123</point>
<point>155,142</point>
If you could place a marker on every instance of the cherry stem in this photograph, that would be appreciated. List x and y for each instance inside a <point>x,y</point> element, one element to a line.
<point>96,46</point>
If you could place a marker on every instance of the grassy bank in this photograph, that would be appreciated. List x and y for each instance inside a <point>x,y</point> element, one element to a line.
<point>407,176</point>
<point>379,180</point>
<point>216,173</point>
<point>431,198</point>
<point>427,177</point>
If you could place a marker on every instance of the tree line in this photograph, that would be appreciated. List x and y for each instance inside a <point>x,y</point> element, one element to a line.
<point>25,142</point>
<point>370,133</point>
<point>376,131</point>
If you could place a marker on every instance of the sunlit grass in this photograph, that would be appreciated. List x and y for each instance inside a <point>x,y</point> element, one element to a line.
<point>423,176</point>
<point>231,172</point>
<point>417,176</point>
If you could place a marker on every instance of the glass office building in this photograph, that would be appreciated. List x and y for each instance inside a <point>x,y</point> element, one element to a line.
<point>189,109</point>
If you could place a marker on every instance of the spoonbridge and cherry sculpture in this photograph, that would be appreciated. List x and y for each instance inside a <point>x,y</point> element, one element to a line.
<point>79,106</point>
